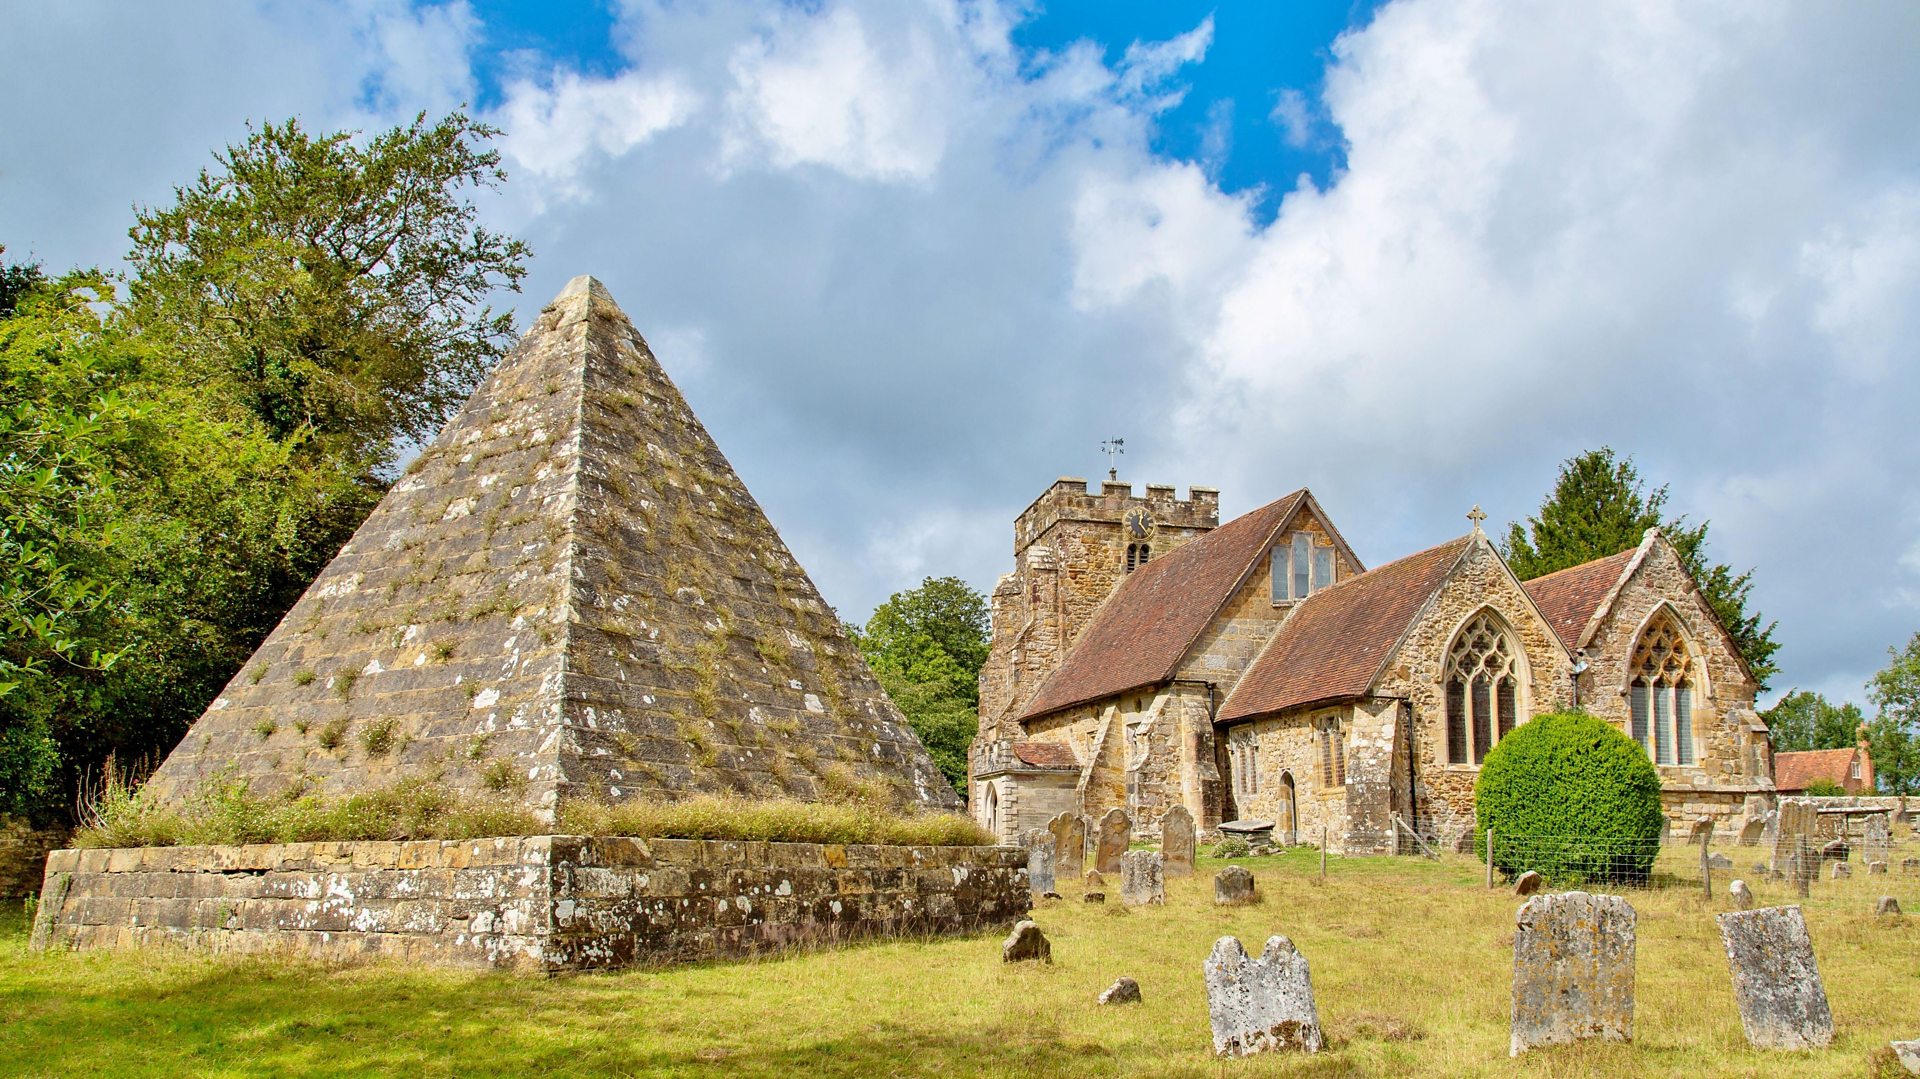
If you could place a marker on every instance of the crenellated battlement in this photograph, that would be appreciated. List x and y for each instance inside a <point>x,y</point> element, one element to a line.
<point>1073,499</point>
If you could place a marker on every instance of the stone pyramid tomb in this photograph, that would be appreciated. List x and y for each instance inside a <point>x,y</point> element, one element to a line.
<point>568,595</point>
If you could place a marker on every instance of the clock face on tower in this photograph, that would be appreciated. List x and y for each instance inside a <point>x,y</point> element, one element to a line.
<point>1138,523</point>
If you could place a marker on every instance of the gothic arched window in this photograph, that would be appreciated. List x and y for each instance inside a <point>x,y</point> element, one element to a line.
<point>1660,692</point>
<point>1483,689</point>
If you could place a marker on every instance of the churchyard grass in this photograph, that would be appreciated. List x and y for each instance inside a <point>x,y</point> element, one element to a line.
<point>1411,959</point>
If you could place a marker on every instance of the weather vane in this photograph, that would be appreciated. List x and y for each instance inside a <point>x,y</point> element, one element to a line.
<point>1113,447</point>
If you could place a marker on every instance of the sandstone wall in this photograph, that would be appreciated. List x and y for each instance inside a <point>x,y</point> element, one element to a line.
<point>536,903</point>
<point>23,855</point>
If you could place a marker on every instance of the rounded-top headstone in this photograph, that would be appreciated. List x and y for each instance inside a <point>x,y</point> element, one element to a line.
<point>1026,942</point>
<point>1741,895</point>
<point>1528,883</point>
<point>1886,905</point>
<point>1233,887</point>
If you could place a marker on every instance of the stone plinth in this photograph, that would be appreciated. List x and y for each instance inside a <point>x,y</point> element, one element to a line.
<point>535,903</point>
<point>1573,959</point>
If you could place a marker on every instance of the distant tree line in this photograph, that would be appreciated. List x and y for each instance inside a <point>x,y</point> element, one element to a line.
<point>185,444</point>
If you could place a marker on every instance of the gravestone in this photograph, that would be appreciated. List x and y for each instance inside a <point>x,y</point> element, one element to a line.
<point>1025,943</point>
<point>1783,1004</point>
<point>1836,851</point>
<point>1124,991</point>
<point>1910,866</point>
<point>1527,883</point>
<point>1233,887</point>
<point>1701,827</point>
<point>1908,1054</point>
<point>1753,831</point>
<point>1573,957</point>
<point>1886,905</point>
<point>1178,842</point>
<point>1720,861</point>
<point>1797,821</point>
<point>1877,843</point>
<point>1141,878</point>
<point>1094,879</point>
<point>1040,861</point>
<point>1741,895</point>
<point>1116,832</point>
<point>1842,871</point>
<point>1094,897</point>
<point>1876,868</point>
<point>1069,844</point>
<point>1261,1005</point>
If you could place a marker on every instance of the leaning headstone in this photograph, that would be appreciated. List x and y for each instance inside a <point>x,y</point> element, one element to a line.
<point>1886,905</point>
<point>1178,842</point>
<point>1701,827</point>
<point>1753,831</point>
<point>1116,832</point>
<point>1142,878</point>
<point>1233,887</point>
<point>1720,861</point>
<point>1841,871</point>
<point>1026,942</point>
<point>1069,844</point>
<point>1040,861</point>
<point>1527,883</point>
<point>1836,851</point>
<point>1908,1054</point>
<point>1783,1004</point>
<point>1572,970</point>
<point>1741,895</point>
<point>1124,991</point>
<point>1261,1005</point>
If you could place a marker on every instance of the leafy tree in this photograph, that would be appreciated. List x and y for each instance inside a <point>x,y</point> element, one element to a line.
<point>1893,737</point>
<point>1806,720</point>
<point>16,281</point>
<point>332,287</point>
<point>926,646</point>
<point>1600,506</point>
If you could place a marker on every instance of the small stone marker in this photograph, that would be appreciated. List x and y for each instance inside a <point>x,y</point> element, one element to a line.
<point>1837,851</point>
<point>1069,844</point>
<point>1094,879</point>
<point>1783,1004</point>
<point>1741,895</point>
<point>1910,866</point>
<point>1142,878</point>
<point>1527,883</point>
<point>1720,861</point>
<point>1753,831</point>
<point>1124,991</point>
<point>1233,887</point>
<point>1572,970</point>
<point>1886,906</point>
<point>1908,1054</point>
<point>1842,871</point>
<point>1261,1005</point>
<point>1040,861</point>
<point>1024,943</point>
<point>1178,842</point>
<point>1116,832</point>
<point>1876,867</point>
<point>1094,897</point>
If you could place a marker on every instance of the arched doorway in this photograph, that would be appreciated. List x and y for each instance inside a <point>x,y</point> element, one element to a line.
<point>990,809</point>
<point>1286,813</point>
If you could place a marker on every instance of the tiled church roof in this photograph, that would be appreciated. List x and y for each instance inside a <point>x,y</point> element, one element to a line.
<point>1142,631</point>
<point>1793,771</point>
<point>1569,597</point>
<point>1045,754</point>
<point>1333,646</point>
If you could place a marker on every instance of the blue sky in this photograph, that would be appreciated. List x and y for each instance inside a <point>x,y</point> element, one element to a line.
<point>911,260</point>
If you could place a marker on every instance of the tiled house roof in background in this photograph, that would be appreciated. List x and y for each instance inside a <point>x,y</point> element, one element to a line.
<point>1335,642</point>
<point>1045,755</point>
<point>1793,771</point>
<point>1144,629</point>
<point>1569,598</point>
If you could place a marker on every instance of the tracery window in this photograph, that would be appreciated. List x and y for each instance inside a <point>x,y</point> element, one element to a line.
<point>1482,689</point>
<point>1660,692</point>
<point>1299,568</point>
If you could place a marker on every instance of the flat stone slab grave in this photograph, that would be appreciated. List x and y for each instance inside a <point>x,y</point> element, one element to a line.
<point>536,903</point>
<point>1573,957</point>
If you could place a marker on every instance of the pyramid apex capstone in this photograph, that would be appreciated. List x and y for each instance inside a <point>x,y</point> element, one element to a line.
<point>584,287</point>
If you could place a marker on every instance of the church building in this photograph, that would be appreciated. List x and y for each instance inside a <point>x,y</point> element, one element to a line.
<point>1146,656</point>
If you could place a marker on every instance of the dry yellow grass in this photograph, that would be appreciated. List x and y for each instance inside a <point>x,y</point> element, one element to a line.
<point>1411,961</point>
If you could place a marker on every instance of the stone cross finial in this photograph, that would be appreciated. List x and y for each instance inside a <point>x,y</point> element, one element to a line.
<point>1476,515</point>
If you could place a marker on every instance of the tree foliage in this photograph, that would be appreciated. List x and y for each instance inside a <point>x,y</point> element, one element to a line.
<point>1600,506</point>
<point>1804,720</point>
<point>1570,797</point>
<point>180,458</point>
<point>926,646</point>
<point>1893,737</point>
<point>17,280</point>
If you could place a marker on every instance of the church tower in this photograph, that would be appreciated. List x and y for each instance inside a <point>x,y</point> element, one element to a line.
<point>1071,548</point>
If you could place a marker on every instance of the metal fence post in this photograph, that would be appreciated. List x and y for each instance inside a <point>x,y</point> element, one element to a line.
<point>1706,865</point>
<point>1323,853</point>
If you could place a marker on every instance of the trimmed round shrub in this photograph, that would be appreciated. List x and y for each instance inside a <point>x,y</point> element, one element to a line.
<point>1572,798</point>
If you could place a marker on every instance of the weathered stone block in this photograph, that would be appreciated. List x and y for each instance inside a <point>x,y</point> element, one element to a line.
<point>1573,960</point>
<point>1233,887</point>
<point>1123,991</point>
<point>1783,1003</point>
<point>1141,878</point>
<point>1261,1005</point>
<point>1040,861</point>
<point>1025,943</point>
<point>1527,883</point>
<point>1178,842</point>
<point>1886,906</point>
<point>1116,832</point>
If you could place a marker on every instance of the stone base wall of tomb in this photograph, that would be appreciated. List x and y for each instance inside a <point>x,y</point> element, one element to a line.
<point>533,903</point>
<point>1727,807</point>
<point>23,855</point>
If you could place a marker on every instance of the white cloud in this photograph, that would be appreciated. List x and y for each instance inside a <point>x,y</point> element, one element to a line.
<point>1295,117</point>
<point>553,129</point>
